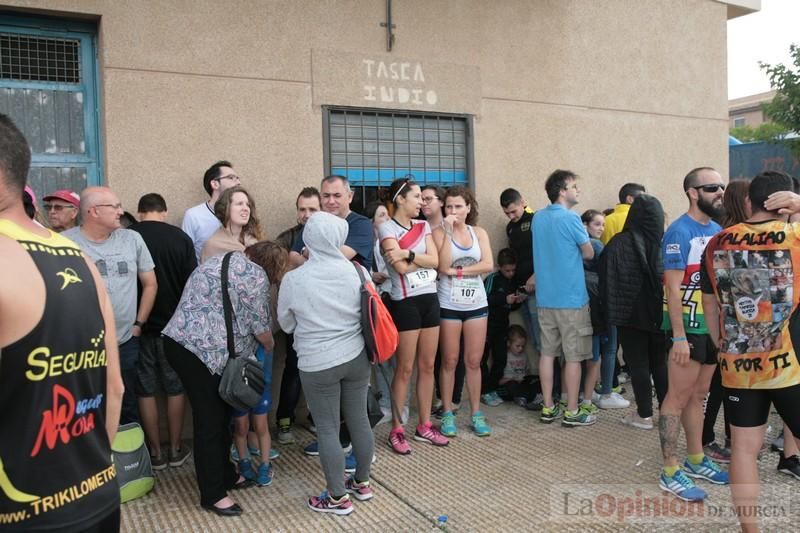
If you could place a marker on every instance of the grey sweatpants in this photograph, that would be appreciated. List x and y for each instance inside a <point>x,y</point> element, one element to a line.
<point>329,393</point>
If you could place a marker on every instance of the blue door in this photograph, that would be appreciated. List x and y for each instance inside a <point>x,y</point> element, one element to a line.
<point>48,86</point>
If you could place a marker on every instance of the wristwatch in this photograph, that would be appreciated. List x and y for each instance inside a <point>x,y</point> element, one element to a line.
<point>139,323</point>
<point>411,256</point>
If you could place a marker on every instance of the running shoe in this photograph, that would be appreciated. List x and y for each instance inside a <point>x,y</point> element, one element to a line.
<point>324,503</point>
<point>549,414</point>
<point>718,453</point>
<point>158,462</point>
<point>448,427</point>
<point>708,470</point>
<point>246,470</point>
<point>777,444</point>
<point>360,491</point>
<point>612,401</point>
<point>479,425</point>
<point>588,408</point>
<point>265,475</point>
<point>180,456</point>
<point>681,487</point>
<point>427,433</point>
<point>285,433</point>
<point>398,442</point>
<point>491,399</point>
<point>536,404</point>
<point>577,418</point>
<point>634,420</point>
<point>313,449</point>
<point>790,466</point>
<point>350,462</point>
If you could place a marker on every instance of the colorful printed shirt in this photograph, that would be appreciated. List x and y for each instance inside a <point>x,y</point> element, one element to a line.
<point>750,268</point>
<point>199,321</point>
<point>682,248</point>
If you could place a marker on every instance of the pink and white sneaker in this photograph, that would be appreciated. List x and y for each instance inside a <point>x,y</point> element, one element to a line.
<point>360,491</point>
<point>324,503</point>
<point>398,442</point>
<point>427,433</point>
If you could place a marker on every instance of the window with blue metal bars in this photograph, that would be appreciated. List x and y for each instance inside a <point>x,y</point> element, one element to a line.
<point>372,148</point>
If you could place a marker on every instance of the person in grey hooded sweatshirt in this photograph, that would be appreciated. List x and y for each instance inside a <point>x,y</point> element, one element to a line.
<point>320,302</point>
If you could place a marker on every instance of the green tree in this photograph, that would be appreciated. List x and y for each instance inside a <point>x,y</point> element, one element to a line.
<point>784,109</point>
<point>767,132</point>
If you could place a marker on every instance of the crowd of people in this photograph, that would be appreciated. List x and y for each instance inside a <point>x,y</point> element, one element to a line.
<point>702,315</point>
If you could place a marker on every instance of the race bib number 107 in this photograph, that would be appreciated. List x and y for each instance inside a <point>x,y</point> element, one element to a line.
<point>465,290</point>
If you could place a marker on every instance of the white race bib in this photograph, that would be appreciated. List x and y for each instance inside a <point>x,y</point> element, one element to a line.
<point>420,278</point>
<point>465,290</point>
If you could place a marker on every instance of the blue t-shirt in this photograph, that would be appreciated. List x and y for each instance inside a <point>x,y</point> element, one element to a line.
<point>682,248</point>
<point>558,235</point>
<point>359,237</point>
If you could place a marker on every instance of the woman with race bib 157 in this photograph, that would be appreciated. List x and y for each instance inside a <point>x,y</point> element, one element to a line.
<point>412,260</point>
<point>464,254</point>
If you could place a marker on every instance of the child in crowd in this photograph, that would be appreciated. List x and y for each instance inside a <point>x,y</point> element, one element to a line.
<point>262,474</point>
<point>517,384</point>
<point>604,340</point>
<point>504,295</point>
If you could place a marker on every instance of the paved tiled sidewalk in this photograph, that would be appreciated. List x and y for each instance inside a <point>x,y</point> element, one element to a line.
<point>525,477</point>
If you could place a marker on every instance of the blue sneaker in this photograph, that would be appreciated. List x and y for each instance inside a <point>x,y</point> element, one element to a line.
<point>246,470</point>
<point>479,425</point>
<point>448,427</point>
<point>274,454</point>
<point>350,462</point>
<point>681,487</point>
<point>708,470</point>
<point>265,474</point>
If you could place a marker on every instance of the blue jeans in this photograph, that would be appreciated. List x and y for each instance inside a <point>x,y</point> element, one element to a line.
<point>530,313</point>
<point>604,349</point>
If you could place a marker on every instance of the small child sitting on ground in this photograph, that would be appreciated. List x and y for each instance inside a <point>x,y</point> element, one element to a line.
<point>517,384</point>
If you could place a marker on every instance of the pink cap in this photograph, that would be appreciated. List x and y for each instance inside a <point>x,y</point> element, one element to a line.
<point>65,195</point>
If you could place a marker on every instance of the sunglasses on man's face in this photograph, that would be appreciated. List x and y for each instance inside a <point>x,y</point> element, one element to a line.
<point>710,188</point>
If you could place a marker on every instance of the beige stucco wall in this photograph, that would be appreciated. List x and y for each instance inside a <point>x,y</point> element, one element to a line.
<point>616,90</point>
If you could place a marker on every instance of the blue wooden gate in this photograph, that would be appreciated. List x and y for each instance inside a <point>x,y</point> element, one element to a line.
<point>48,86</point>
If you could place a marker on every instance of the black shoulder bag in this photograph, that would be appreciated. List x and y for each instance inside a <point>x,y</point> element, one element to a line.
<point>242,382</point>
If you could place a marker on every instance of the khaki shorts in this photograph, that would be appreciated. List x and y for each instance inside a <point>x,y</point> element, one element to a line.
<point>567,332</point>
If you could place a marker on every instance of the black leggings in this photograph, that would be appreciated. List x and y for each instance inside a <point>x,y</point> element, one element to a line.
<point>645,355</point>
<point>715,396</point>
<point>290,384</point>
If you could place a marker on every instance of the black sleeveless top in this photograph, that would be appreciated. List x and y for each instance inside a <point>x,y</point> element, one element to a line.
<point>55,459</point>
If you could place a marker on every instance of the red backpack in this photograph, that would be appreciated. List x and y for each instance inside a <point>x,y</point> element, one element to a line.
<point>380,333</point>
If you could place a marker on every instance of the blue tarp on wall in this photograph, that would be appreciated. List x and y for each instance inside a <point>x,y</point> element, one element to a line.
<point>747,160</point>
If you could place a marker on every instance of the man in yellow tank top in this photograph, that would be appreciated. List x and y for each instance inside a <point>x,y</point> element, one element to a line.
<point>60,384</point>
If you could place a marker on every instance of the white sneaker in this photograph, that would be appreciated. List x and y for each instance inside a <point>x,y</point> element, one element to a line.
<point>595,397</point>
<point>633,420</point>
<point>623,378</point>
<point>613,401</point>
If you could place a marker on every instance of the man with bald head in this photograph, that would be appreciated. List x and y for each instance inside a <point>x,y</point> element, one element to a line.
<point>122,258</point>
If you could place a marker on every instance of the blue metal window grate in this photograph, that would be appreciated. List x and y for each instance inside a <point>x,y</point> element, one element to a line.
<point>373,148</point>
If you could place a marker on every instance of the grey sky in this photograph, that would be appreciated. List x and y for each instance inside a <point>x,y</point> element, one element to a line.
<point>762,36</point>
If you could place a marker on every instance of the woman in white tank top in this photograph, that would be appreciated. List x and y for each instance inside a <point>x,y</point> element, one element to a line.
<point>464,255</point>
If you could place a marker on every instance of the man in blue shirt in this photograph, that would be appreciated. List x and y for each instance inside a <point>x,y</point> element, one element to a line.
<point>560,244</point>
<point>336,197</point>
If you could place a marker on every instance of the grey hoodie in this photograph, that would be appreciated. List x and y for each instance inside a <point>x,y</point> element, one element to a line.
<point>320,302</point>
